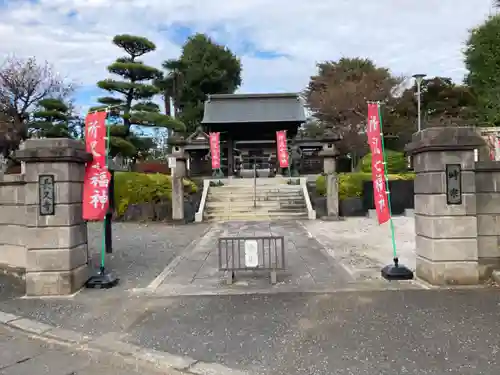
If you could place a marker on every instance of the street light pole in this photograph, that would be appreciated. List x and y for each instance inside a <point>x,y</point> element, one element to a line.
<point>419,78</point>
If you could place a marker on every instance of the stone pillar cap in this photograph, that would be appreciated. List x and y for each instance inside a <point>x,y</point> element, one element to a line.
<point>53,150</point>
<point>445,139</point>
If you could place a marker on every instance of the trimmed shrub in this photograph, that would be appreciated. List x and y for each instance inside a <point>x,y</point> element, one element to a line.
<point>351,184</point>
<point>134,188</point>
<point>396,162</point>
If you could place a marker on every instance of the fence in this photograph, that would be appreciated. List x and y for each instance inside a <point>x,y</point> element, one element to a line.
<point>266,253</point>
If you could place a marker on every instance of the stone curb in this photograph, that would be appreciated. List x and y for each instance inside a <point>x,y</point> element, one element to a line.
<point>44,330</point>
<point>112,343</point>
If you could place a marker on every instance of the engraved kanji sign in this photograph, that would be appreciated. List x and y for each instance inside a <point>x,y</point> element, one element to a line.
<point>453,183</point>
<point>46,195</point>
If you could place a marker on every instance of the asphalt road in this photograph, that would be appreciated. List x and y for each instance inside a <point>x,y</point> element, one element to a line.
<point>392,332</point>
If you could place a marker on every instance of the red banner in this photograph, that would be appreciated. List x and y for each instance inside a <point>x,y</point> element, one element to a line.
<point>97,176</point>
<point>215,149</point>
<point>282,148</point>
<point>373,133</point>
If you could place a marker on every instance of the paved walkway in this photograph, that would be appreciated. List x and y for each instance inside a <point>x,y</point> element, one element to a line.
<point>196,271</point>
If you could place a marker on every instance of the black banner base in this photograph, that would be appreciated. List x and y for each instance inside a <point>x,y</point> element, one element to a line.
<point>103,280</point>
<point>396,271</point>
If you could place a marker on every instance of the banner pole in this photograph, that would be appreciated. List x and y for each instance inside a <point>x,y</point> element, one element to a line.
<point>394,271</point>
<point>105,221</point>
<point>388,192</point>
<point>103,279</point>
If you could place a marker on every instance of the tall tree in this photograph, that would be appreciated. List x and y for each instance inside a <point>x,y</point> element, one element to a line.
<point>23,83</point>
<point>203,68</point>
<point>443,103</point>
<point>133,95</point>
<point>482,59</point>
<point>338,93</point>
<point>51,119</point>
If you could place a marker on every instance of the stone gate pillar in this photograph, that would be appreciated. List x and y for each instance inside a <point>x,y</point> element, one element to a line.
<point>445,205</point>
<point>330,154</point>
<point>178,173</point>
<point>56,235</point>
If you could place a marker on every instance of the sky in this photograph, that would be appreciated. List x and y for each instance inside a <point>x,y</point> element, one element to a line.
<point>279,41</point>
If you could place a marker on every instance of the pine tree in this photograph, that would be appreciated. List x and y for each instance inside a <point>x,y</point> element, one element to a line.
<point>50,120</point>
<point>134,93</point>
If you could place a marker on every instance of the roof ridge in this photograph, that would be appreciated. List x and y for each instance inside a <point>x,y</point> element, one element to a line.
<point>253,95</point>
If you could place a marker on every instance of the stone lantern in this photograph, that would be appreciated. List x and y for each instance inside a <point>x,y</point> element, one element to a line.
<point>177,164</point>
<point>330,154</point>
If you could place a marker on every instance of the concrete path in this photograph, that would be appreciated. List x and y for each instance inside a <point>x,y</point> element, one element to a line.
<point>196,271</point>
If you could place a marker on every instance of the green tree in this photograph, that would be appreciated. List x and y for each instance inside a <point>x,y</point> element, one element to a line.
<point>50,119</point>
<point>482,59</point>
<point>203,68</point>
<point>133,96</point>
<point>338,96</point>
<point>443,103</point>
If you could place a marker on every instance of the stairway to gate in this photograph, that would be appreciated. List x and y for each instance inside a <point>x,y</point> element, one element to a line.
<point>270,199</point>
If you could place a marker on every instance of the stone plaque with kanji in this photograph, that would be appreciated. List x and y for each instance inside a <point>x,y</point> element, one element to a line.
<point>453,184</point>
<point>46,195</point>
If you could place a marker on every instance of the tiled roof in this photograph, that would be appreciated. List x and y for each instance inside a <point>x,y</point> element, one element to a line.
<point>253,108</point>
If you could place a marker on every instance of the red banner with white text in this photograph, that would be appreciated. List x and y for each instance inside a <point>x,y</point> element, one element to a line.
<point>282,148</point>
<point>373,133</point>
<point>97,176</point>
<point>215,149</point>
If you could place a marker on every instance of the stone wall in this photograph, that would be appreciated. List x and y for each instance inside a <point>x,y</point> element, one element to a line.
<point>488,216</point>
<point>12,223</point>
<point>50,245</point>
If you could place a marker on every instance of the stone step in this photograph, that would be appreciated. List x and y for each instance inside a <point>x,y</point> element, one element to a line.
<point>254,216</point>
<point>275,181</point>
<point>299,204</point>
<point>249,199</point>
<point>251,191</point>
<point>252,210</point>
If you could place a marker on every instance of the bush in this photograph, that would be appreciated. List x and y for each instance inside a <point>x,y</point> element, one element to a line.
<point>396,162</point>
<point>133,188</point>
<point>351,184</point>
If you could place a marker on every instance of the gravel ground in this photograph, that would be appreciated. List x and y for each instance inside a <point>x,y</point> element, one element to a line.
<point>141,252</point>
<point>361,244</point>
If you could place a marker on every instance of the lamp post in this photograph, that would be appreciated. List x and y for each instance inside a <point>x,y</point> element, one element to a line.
<point>419,78</point>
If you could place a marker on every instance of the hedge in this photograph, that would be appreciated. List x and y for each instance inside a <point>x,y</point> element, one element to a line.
<point>351,184</point>
<point>396,162</point>
<point>134,187</point>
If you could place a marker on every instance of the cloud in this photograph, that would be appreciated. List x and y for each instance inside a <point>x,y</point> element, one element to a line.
<point>279,41</point>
